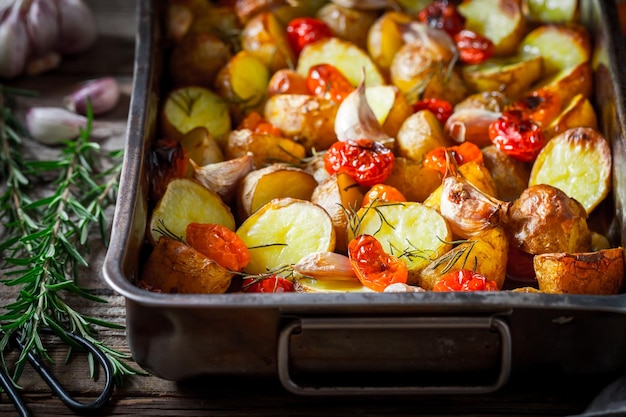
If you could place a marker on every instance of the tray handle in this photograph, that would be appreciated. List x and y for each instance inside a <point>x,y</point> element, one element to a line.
<point>302,324</point>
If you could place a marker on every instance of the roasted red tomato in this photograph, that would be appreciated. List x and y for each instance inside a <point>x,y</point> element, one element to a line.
<point>366,161</point>
<point>463,153</point>
<point>382,193</point>
<point>473,48</point>
<point>218,243</point>
<point>324,80</point>
<point>515,134</point>
<point>255,122</point>
<point>464,280</point>
<point>541,106</point>
<point>444,15</point>
<point>168,160</point>
<point>441,108</point>
<point>271,283</point>
<point>302,31</point>
<point>519,266</point>
<point>375,268</point>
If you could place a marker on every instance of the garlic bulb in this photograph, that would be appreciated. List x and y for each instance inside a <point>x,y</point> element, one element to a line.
<point>355,119</point>
<point>77,26</point>
<point>54,125</point>
<point>42,25</point>
<point>467,209</point>
<point>103,94</point>
<point>14,43</point>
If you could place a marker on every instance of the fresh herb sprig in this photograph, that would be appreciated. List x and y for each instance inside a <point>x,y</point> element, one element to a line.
<point>44,240</point>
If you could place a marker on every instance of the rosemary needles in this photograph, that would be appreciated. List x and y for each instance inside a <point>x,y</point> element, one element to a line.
<point>44,239</point>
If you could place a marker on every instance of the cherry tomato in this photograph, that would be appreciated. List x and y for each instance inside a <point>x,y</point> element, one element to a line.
<point>463,153</point>
<point>375,268</point>
<point>302,31</point>
<point>255,122</point>
<point>287,81</point>
<point>167,160</point>
<point>473,47</point>
<point>366,161</point>
<point>444,15</point>
<point>324,80</point>
<point>271,283</point>
<point>218,243</point>
<point>441,108</point>
<point>515,134</point>
<point>382,193</point>
<point>464,280</point>
<point>540,105</point>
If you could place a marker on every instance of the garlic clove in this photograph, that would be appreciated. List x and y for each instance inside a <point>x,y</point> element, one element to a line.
<point>471,125</point>
<point>224,177</point>
<point>77,26</point>
<point>355,119</point>
<point>54,125</point>
<point>14,43</point>
<point>326,266</point>
<point>102,93</point>
<point>42,25</point>
<point>365,4</point>
<point>467,209</point>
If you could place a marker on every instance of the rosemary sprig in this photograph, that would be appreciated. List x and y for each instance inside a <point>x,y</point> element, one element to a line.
<point>44,241</point>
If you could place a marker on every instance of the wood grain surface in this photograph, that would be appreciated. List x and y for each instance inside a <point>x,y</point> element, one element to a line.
<point>150,396</point>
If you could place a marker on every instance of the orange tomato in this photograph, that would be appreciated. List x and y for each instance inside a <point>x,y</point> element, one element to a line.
<point>375,268</point>
<point>463,153</point>
<point>382,193</point>
<point>218,243</point>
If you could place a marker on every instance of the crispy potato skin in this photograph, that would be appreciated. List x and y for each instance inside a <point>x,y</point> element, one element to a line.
<point>510,176</point>
<point>544,220</point>
<point>595,273</point>
<point>174,267</point>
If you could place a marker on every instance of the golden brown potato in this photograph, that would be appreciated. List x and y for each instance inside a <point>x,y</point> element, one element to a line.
<point>246,9</point>
<point>175,267</point>
<point>563,11</point>
<point>197,58</point>
<point>265,148</point>
<point>274,181</point>
<point>308,120</point>
<point>201,147</point>
<point>546,220</point>
<point>501,21</point>
<point>420,133</point>
<point>339,195</point>
<point>485,253</point>
<point>595,273</point>
<point>510,175</point>
<point>567,83</point>
<point>579,163</point>
<point>349,24</point>
<point>384,38</point>
<point>579,112</point>
<point>265,37</point>
<point>451,88</point>
<point>415,181</point>
<point>389,106</point>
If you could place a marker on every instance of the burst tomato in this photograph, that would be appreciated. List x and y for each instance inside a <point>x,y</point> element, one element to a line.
<point>441,108</point>
<point>271,283</point>
<point>382,193</point>
<point>515,134</point>
<point>540,105</point>
<point>444,15</point>
<point>167,160</point>
<point>463,153</point>
<point>366,161</point>
<point>473,48</point>
<point>464,280</point>
<point>218,243</point>
<point>302,31</point>
<point>375,268</point>
<point>325,80</point>
<point>255,122</point>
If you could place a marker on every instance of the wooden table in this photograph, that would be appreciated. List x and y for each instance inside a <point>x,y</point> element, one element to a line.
<point>150,396</point>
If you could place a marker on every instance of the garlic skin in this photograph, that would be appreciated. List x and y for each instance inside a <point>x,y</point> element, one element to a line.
<point>14,43</point>
<point>326,266</point>
<point>224,177</point>
<point>102,93</point>
<point>471,125</point>
<point>42,25</point>
<point>54,125</point>
<point>467,209</point>
<point>365,4</point>
<point>77,26</point>
<point>355,119</point>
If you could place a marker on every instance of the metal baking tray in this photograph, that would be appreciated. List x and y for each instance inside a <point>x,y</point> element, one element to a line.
<point>362,343</point>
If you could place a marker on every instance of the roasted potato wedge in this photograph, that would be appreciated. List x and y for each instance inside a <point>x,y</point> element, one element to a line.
<point>389,106</point>
<point>548,11</point>
<point>264,36</point>
<point>410,231</point>
<point>415,181</point>
<point>510,176</point>
<point>420,133</point>
<point>201,147</point>
<point>176,268</point>
<point>384,38</point>
<point>265,148</point>
<point>186,108</point>
<point>197,58</point>
<point>579,112</point>
<point>501,21</point>
<point>348,58</point>
<point>568,82</point>
<point>485,253</point>
<point>187,201</point>
<point>350,24</point>
<point>579,163</point>
<point>592,273</point>
<point>546,220</point>
<point>283,231</point>
<point>308,120</point>
<point>274,181</point>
